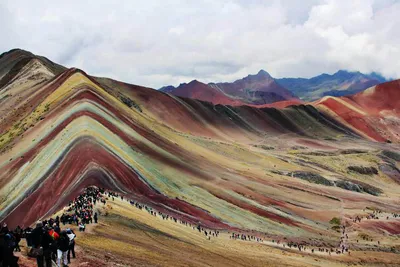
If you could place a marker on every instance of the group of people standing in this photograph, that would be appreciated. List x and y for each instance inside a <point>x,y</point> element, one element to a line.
<point>47,242</point>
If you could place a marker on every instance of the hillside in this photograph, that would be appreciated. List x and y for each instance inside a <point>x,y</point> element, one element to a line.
<point>296,175</point>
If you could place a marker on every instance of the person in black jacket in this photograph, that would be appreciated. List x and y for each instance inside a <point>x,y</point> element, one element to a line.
<point>7,245</point>
<point>41,238</point>
<point>62,248</point>
<point>18,236</point>
<point>27,234</point>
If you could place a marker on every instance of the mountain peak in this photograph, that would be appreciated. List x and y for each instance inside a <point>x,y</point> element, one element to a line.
<point>378,77</point>
<point>195,82</point>
<point>343,72</point>
<point>261,74</point>
<point>167,89</point>
<point>17,51</point>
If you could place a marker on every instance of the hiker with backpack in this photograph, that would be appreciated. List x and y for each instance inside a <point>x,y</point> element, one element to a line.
<point>41,245</point>
<point>62,249</point>
<point>54,238</point>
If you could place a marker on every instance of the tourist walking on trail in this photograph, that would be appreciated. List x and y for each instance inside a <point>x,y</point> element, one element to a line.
<point>81,227</point>
<point>71,248</point>
<point>53,247</point>
<point>62,249</point>
<point>28,237</point>
<point>41,242</point>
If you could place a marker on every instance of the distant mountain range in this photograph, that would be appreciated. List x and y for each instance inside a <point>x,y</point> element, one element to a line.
<point>339,84</point>
<point>262,88</point>
<point>258,89</point>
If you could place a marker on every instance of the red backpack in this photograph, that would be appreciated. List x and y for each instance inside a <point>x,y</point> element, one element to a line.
<point>54,234</point>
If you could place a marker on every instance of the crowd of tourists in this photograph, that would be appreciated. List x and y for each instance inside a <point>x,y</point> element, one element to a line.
<point>48,242</point>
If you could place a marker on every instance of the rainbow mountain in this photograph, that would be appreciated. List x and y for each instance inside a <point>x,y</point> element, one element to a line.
<point>285,172</point>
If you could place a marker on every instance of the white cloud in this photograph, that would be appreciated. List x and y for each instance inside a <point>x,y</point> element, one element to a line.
<point>155,43</point>
<point>177,30</point>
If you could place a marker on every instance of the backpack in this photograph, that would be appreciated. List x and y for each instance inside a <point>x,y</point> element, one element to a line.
<point>10,241</point>
<point>63,243</point>
<point>54,234</point>
<point>71,238</point>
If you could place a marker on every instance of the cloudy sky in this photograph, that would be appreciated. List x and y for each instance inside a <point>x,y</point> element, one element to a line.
<point>156,43</point>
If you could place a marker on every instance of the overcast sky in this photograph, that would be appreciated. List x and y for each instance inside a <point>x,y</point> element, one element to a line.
<point>156,43</point>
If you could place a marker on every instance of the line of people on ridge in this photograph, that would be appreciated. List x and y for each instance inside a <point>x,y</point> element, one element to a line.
<point>80,212</point>
<point>235,236</point>
<point>374,216</point>
<point>207,232</point>
<point>215,233</point>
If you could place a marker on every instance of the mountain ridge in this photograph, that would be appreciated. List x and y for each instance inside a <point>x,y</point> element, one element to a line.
<point>340,83</point>
<point>249,88</point>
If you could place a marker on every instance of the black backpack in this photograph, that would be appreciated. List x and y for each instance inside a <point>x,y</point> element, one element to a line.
<point>10,240</point>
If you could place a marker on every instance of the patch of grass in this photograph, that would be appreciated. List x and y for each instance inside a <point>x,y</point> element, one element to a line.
<point>363,170</point>
<point>6,96</point>
<point>335,221</point>
<point>359,187</point>
<point>129,102</point>
<point>311,177</point>
<point>265,147</point>
<point>391,154</point>
<point>364,236</point>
